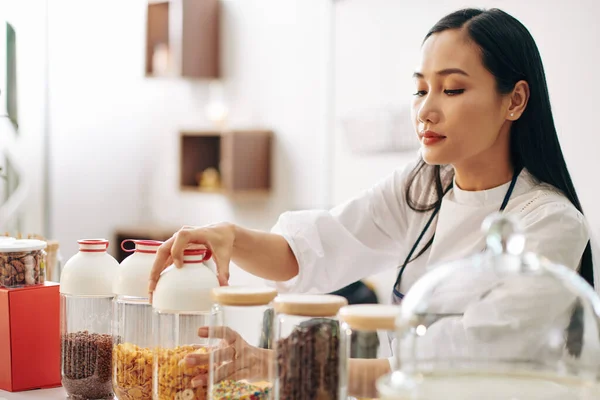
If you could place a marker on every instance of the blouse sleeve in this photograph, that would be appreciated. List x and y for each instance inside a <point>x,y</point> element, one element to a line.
<point>352,241</point>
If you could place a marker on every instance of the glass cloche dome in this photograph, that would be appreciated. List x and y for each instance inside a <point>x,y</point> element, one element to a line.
<point>503,324</point>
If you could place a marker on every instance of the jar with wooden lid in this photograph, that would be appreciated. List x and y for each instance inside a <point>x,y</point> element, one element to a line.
<point>369,328</point>
<point>310,350</point>
<point>240,369</point>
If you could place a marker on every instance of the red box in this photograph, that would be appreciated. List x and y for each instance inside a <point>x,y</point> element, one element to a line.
<point>30,337</point>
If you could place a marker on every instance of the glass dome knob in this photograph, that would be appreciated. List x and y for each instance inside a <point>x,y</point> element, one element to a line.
<point>504,234</point>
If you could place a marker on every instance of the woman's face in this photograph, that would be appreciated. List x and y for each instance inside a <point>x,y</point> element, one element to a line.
<point>457,110</point>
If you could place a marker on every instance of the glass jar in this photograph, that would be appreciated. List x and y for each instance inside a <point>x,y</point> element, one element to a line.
<point>502,324</point>
<point>369,328</point>
<point>182,314</point>
<point>86,314</point>
<point>53,261</point>
<point>132,323</point>
<point>22,262</point>
<point>242,310</point>
<point>310,350</point>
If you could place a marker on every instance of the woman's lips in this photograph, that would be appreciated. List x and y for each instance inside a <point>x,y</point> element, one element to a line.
<point>429,138</point>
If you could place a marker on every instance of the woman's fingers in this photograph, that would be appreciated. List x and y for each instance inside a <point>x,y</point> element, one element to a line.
<point>163,255</point>
<point>223,354</point>
<point>219,332</point>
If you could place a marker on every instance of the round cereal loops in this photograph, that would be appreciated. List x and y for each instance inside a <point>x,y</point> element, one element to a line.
<point>174,376</point>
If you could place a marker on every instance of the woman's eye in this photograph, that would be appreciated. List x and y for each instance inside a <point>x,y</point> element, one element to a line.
<point>454,92</point>
<point>420,93</point>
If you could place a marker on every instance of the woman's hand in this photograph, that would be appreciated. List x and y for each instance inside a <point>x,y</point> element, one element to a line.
<point>235,359</point>
<point>219,239</point>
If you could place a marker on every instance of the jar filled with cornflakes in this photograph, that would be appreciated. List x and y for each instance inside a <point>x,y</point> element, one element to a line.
<point>240,367</point>
<point>132,323</point>
<point>310,349</point>
<point>86,296</point>
<point>182,315</point>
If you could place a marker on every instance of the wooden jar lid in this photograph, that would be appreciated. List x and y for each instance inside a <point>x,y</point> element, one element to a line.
<point>309,305</point>
<point>243,295</point>
<point>370,317</point>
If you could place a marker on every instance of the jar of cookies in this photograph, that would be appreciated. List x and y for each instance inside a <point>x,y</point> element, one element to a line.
<point>86,296</point>
<point>132,322</point>
<point>369,328</point>
<point>243,310</point>
<point>22,262</point>
<point>311,351</point>
<point>182,315</point>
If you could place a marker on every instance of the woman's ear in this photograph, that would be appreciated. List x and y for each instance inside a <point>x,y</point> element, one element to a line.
<point>518,101</point>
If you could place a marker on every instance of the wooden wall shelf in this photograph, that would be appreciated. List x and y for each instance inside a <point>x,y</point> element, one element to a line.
<point>242,159</point>
<point>182,39</point>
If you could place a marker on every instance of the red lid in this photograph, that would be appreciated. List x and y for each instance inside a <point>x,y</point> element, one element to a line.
<point>206,253</point>
<point>151,246</point>
<point>93,245</point>
<point>93,241</point>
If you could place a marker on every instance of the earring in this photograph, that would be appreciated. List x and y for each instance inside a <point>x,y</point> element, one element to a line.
<point>512,114</point>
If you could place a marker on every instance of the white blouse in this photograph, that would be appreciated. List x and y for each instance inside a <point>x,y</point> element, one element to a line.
<point>375,231</point>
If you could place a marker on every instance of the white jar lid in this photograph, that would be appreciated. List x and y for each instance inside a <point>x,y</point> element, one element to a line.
<point>90,272</point>
<point>186,289</point>
<point>21,245</point>
<point>134,271</point>
<point>370,317</point>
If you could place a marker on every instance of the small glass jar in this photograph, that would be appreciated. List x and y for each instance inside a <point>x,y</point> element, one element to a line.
<point>132,323</point>
<point>501,324</point>
<point>242,309</point>
<point>311,352</point>
<point>369,328</point>
<point>182,315</point>
<point>86,314</point>
<point>22,262</point>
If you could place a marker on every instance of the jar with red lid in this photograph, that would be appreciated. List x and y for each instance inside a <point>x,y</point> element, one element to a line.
<point>86,296</point>
<point>132,322</point>
<point>182,315</point>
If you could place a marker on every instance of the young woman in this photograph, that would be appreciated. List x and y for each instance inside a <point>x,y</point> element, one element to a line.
<point>481,112</point>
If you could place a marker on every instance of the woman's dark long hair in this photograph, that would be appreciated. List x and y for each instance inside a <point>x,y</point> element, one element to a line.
<point>509,52</point>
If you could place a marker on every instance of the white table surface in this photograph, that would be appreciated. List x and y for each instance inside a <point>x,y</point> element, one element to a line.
<point>40,394</point>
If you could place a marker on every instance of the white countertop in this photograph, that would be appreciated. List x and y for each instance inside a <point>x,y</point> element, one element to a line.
<point>40,394</point>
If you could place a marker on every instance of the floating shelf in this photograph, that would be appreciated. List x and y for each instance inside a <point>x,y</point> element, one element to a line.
<point>240,160</point>
<point>182,39</point>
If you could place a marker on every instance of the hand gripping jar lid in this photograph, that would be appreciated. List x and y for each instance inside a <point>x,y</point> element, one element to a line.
<point>134,271</point>
<point>501,324</point>
<point>186,289</point>
<point>91,271</point>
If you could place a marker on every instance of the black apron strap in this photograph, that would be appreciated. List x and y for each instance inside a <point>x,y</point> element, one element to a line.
<point>507,196</point>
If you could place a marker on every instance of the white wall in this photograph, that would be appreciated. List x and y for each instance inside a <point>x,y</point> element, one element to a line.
<point>31,85</point>
<point>115,133</point>
<point>377,44</point>
<point>114,149</point>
